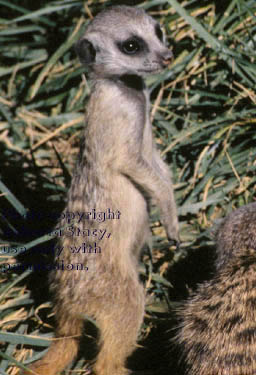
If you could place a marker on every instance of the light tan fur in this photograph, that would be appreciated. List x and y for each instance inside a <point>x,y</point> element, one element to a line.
<point>119,168</point>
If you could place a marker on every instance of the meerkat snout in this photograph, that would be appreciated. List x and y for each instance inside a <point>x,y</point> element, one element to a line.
<point>167,57</point>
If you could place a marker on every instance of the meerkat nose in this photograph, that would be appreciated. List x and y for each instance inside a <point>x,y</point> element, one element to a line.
<point>167,57</point>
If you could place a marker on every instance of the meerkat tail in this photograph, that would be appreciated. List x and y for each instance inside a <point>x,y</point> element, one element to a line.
<point>62,351</point>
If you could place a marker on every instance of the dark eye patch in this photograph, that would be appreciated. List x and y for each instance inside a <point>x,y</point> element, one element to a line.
<point>159,32</point>
<point>132,46</point>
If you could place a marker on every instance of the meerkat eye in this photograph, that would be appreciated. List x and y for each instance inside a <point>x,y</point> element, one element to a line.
<point>159,32</point>
<point>130,47</point>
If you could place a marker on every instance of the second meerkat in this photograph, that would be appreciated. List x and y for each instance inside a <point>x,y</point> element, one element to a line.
<point>218,323</point>
<point>118,168</point>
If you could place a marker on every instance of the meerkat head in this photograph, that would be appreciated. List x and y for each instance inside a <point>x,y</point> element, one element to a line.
<point>123,40</point>
<point>236,236</point>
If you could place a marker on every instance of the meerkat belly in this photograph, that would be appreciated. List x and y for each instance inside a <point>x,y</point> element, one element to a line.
<point>133,207</point>
<point>106,241</point>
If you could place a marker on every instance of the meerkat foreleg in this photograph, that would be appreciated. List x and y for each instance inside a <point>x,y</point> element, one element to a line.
<point>150,180</point>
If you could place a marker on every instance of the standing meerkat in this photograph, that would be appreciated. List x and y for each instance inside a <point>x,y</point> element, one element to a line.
<point>218,323</point>
<point>118,169</point>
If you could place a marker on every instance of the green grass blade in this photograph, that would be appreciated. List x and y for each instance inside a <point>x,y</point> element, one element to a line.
<point>13,200</point>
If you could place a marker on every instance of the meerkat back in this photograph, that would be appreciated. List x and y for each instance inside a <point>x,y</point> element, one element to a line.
<point>118,169</point>
<point>218,323</point>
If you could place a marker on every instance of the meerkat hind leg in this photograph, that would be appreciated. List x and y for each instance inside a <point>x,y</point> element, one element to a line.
<point>119,329</point>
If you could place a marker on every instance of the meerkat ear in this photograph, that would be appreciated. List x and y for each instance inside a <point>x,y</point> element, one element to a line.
<point>85,51</point>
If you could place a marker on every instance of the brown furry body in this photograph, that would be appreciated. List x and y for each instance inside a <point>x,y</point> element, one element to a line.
<point>118,165</point>
<point>218,330</point>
